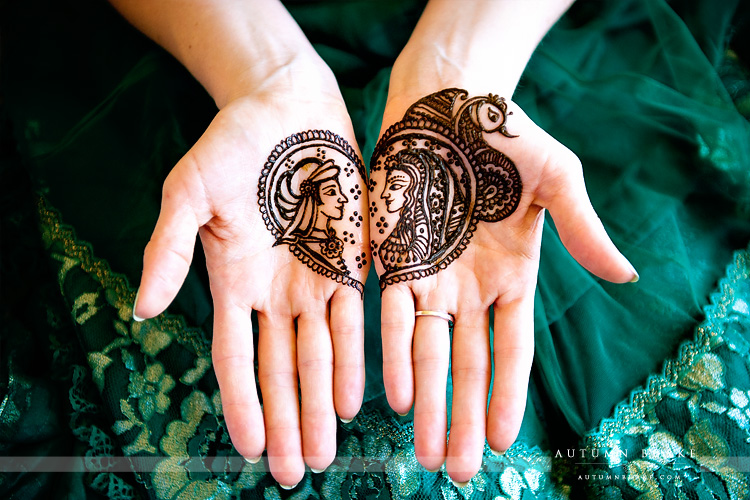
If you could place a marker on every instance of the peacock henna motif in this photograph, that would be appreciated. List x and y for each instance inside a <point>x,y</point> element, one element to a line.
<point>439,177</point>
<point>308,191</point>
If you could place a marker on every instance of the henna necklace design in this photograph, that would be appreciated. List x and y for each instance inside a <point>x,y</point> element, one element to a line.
<point>301,200</point>
<point>439,177</point>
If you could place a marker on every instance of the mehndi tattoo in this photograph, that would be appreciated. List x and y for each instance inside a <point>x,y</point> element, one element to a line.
<point>438,177</point>
<point>302,200</point>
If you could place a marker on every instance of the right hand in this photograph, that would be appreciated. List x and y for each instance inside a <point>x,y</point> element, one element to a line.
<point>310,326</point>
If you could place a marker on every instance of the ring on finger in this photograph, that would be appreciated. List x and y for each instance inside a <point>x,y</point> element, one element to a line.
<point>437,314</point>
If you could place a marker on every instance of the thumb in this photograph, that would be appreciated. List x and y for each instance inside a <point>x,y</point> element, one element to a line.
<point>563,193</point>
<point>167,257</point>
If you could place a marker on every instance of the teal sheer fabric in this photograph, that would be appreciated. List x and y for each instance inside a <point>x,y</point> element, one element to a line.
<point>653,96</point>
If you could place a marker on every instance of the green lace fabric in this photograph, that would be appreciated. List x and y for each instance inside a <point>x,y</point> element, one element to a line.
<point>685,435</point>
<point>653,96</point>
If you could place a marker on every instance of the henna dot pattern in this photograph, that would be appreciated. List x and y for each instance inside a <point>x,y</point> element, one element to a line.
<point>361,260</point>
<point>303,204</point>
<point>440,177</point>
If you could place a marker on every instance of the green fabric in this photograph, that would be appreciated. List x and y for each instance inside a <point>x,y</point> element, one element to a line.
<point>653,96</point>
<point>666,163</point>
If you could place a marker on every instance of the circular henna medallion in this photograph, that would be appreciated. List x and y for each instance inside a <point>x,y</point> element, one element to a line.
<point>308,194</point>
<point>438,178</point>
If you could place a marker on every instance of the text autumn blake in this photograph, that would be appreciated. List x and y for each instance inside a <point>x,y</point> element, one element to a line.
<point>616,454</point>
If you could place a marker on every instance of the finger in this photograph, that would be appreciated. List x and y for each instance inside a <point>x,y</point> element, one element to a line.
<point>470,369</point>
<point>348,335</point>
<point>232,352</point>
<point>277,374</point>
<point>580,229</point>
<point>315,364</point>
<point>513,352</point>
<point>431,360</point>
<point>397,330</point>
<point>168,254</point>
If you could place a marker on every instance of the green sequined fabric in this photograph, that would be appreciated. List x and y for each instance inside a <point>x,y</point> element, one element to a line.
<point>638,390</point>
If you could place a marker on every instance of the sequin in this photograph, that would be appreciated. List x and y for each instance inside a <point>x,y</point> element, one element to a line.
<point>706,373</point>
<point>662,447</point>
<point>380,448</point>
<point>738,397</point>
<point>512,483</point>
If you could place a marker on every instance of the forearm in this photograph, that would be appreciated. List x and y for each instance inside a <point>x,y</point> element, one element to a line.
<point>232,47</point>
<point>477,43</point>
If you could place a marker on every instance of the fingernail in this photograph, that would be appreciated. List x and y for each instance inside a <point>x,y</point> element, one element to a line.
<point>432,470</point>
<point>252,460</point>
<point>317,471</point>
<point>636,276</point>
<point>459,485</point>
<point>286,487</point>
<point>497,453</point>
<point>402,414</point>
<point>135,303</point>
<point>346,420</point>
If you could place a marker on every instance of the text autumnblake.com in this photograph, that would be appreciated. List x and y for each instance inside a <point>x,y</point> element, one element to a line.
<point>624,477</point>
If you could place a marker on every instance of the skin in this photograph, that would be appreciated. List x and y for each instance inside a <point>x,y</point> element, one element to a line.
<point>268,83</point>
<point>254,71</point>
<point>498,269</point>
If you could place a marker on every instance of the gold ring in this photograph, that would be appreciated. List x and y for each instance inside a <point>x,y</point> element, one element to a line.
<point>438,314</point>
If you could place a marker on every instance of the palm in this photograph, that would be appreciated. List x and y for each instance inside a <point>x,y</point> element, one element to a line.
<point>310,331</point>
<point>457,228</point>
<point>240,254</point>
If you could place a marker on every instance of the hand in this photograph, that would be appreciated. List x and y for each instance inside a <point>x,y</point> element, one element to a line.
<point>278,211</point>
<point>459,187</point>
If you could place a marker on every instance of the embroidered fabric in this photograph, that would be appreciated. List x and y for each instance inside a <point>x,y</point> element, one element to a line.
<point>648,93</point>
<point>684,434</point>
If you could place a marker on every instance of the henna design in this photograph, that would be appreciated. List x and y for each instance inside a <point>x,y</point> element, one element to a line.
<point>438,177</point>
<point>301,200</point>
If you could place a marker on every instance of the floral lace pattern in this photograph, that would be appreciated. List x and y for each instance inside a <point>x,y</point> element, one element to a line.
<point>687,433</point>
<point>679,437</point>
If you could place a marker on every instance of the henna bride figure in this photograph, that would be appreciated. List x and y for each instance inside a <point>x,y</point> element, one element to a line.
<point>417,186</point>
<point>440,178</point>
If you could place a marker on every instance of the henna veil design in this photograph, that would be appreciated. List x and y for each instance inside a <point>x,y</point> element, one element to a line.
<point>456,180</point>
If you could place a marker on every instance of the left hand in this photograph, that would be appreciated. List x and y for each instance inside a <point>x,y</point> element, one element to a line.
<point>421,219</point>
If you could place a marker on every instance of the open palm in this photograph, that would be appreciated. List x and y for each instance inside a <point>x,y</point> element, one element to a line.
<point>459,186</point>
<point>276,193</point>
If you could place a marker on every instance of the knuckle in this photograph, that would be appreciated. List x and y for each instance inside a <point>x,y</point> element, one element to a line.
<point>315,365</point>
<point>277,379</point>
<point>161,248</point>
<point>397,325</point>
<point>474,374</point>
<point>220,358</point>
<point>169,281</point>
<point>318,414</point>
<point>346,329</point>
<point>400,363</point>
<point>520,353</point>
<point>350,366</point>
<point>431,365</point>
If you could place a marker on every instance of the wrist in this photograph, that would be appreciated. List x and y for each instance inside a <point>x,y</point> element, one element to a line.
<point>422,69</point>
<point>482,46</point>
<point>240,58</point>
<point>232,47</point>
<point>300,77</point>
